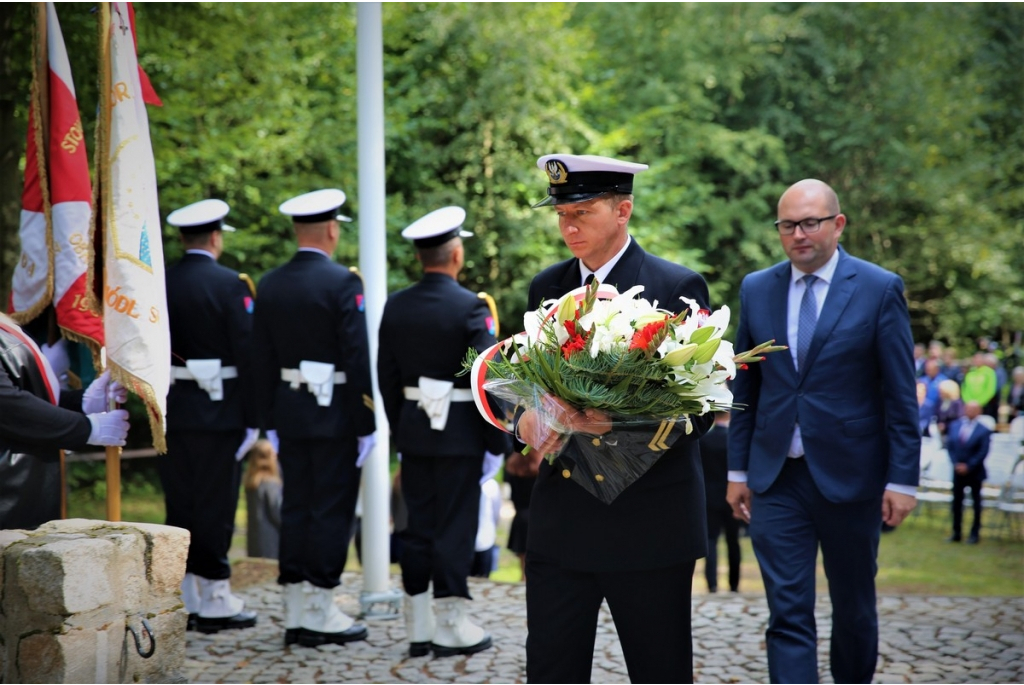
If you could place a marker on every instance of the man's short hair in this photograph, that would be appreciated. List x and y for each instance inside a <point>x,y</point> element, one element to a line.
<point>439,255</point>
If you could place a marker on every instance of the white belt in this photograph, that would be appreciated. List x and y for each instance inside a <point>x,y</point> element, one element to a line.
<point>181,373</point>
<point>294,376</point>
<point>457,394</point>
<point>319,377</point>
<point>207,373</point>
<point>434,397</point>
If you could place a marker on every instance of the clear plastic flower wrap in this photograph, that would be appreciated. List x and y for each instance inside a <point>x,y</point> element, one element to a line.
<point>607,382</point>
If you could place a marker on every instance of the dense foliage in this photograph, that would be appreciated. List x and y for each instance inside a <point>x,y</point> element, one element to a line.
<point>911,111</point>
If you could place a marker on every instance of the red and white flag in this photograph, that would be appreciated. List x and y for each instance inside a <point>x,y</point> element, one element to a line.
<point>133,292</point>
<point>57,200</point>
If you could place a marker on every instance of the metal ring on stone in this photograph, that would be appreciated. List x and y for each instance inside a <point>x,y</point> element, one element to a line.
<point>138,643</point>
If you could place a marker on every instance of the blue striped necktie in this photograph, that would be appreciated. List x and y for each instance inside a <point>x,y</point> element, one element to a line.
<point>808,320</point>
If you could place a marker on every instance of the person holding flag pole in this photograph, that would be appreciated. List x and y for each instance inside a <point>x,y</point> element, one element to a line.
<point>49,283</point>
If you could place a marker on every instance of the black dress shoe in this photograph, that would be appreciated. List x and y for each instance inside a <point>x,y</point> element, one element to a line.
<point>291,636</point>
<point>953,538</point>
<point>312,638</point>
<point>973,540</point>
<point>245,619</point>
<point>441,650</point>
<point>419,648</point>
<point>190,624</point>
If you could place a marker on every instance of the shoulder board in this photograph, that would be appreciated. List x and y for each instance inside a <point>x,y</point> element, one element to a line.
<point>355,270</point>
<point>245,278</point>
<point>493,306</point>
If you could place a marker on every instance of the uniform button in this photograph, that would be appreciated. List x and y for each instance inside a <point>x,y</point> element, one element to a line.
<point>596,442</point>
<point>599,478</point>
<point>566,473</point>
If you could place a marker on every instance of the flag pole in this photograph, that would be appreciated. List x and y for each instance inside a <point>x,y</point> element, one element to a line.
<point>113,454</point>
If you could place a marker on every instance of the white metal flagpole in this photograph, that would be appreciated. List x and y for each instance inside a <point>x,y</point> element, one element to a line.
<point>373,265</point>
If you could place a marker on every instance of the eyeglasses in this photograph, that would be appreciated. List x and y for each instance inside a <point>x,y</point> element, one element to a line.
<point>806,225</point>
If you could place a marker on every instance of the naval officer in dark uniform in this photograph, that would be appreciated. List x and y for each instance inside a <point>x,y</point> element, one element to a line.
<point>209,411</point>
<point>312,364</point>
<point>425,333</point>
<point>638,552</point>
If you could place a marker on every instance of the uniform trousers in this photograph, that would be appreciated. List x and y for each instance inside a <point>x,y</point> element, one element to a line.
<point>787,523</point>
<point>201,480</point>
<point>651,610</point>
<point>442,496</point>
<point>321,484</point>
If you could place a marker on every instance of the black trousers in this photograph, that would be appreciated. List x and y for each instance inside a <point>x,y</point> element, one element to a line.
<point>321,484</point>
<point>719,520</point>
<point>442,496</point>
<point>960,483</point>
<point>651,609</point>
<point>201,478</point>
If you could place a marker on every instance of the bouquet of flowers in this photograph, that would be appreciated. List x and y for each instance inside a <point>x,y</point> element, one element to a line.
<point>643,370</point>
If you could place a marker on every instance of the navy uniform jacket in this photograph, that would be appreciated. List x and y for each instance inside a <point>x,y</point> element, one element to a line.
<point>659,520</point>
<point>311,309</point>
<point>426,330</point>
<point>855,398</point>
<point>210,317</point>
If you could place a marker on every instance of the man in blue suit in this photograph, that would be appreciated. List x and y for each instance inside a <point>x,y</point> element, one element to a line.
<point>828,446</point>
<point>968,446</point>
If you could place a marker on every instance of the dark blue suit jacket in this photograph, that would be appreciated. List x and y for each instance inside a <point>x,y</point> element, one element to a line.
<point>855,398</point>
<point>971,452</point>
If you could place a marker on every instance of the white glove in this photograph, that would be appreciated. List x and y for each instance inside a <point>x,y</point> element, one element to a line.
<point>109,429</point>
<point>399,457</point>
<point>274,442</point>
<point>251,436</point>
<point>57,355</point>
<point>100,392</point>
<point>492,462</point>
<point>366,444</point>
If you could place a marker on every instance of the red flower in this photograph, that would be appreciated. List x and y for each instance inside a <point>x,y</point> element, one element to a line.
<point>576,341</point>
<point>642,338</point>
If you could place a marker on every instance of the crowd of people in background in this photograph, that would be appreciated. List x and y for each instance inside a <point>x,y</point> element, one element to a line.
<point>946,381</point>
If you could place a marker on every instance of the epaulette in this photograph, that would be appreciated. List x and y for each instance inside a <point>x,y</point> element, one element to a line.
<point>493,306</point>
<point>355,270</point>
<point>245,278</point>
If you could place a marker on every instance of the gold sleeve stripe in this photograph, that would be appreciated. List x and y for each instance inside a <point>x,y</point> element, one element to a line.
<point>368,402</point>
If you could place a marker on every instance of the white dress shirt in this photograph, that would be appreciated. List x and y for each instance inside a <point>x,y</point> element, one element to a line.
<point>602,273</point>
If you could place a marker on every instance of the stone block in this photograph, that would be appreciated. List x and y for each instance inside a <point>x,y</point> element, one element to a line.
<point>167,665</point>
<point>167,550</point>
<point>66,576</point>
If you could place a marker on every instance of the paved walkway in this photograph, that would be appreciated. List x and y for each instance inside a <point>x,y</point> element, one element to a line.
<point>923,640</point>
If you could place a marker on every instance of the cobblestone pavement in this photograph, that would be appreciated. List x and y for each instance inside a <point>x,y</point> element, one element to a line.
<point>923,640</point>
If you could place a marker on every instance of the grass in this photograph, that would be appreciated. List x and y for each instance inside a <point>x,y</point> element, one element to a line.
<point>914,559</point>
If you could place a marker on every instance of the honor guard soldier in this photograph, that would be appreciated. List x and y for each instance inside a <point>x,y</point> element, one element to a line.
<point>315,395</point>
<point>447,449</point>
<point>209,408</point>
<point>638,552</point>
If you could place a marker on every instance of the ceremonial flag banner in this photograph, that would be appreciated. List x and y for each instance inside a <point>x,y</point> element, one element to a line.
<point>133,295</point>
<point>57,199</point>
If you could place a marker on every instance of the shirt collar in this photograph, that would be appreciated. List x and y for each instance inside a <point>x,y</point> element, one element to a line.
<point>314,249</point>
<point>202,252</point>
<point>825,272</point>
<point>602,273</point>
